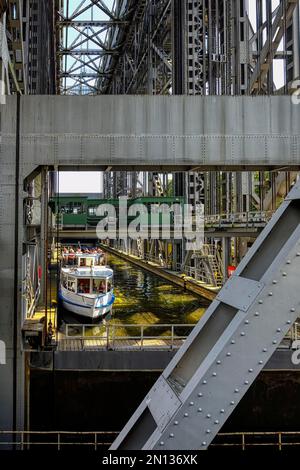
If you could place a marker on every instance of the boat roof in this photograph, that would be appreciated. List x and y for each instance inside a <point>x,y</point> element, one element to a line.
<point>84,255</point>
<point>97,272</point>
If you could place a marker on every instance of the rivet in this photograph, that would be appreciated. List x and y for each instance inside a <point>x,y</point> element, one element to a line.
<point>208,431</point>
<point>288,261</point>
<point>199,410</point>
<point>191,403</point>
<point>236,390</point>
<point>293,309</point>
<point>214,374</point>
<point>274,342</point>
<point>208,416</point>
<point>256,314</point>
<point>186,415</point>
<point>216,421</point>
<point>284,274</point>
<point>265,350</point>
<point>246,322</point>
<point>232,402</point>
<point>298,254</point>
<point>228,354</point>
<point>242,333</point>
<point>278,330</point>
<point>250,370</point>
<point>203,444</point>
<point>260,302</point>
<point>246,382</point>
<point>171,435</point>
<point>232,341</point>
<point>289,322</point>
<point>274,282</point>
<point>270,294</point>
<point>261,363</point>
<point>218,362</point>
<point>200,394</point>
<point>176,423</point>
<point>222,411</point>
<point>204,382</point>
<point>162,443</point>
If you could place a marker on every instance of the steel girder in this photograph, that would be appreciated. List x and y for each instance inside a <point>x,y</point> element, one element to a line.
<point>205,381</point>
<point>89,31</point>
<point>145,65</point>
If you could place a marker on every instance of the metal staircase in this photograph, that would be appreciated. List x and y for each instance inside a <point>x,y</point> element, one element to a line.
<point>208,262</point>
<point>207,378</point>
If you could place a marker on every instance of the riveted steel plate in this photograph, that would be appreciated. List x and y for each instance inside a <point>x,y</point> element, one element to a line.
<point>240,292</point>
<point>162,402</point>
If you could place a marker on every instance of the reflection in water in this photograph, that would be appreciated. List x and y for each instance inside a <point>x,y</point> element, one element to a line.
<point>143,298</point>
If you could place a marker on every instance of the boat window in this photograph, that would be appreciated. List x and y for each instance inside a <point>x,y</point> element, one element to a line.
<point>99,286</point>
<point>65,281</point>
<point>72,284</point>
<point>82,261</point>
<point>83,286</point>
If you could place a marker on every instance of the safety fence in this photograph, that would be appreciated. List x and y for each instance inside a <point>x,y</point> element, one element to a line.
<point>112,336</point>
<point>101,440</point>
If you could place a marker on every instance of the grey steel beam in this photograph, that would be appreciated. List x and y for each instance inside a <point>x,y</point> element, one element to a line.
<point>98,23</point>
<point>240,331</point>
<point>140,132</point>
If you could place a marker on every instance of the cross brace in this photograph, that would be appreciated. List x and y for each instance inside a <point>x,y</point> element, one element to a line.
<point>207,378</point>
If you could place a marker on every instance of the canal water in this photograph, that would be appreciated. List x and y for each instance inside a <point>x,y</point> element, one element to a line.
<point>101,400</point>
<point>143,298</point>
<point>93,400</point>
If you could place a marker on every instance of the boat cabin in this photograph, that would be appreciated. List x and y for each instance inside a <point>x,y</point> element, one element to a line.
<point>98,283</point>
<point>82,260</point>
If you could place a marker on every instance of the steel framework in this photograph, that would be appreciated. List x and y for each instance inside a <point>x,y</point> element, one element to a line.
<point>90,34</point>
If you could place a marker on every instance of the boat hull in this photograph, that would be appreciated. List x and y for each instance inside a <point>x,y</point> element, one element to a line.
<point>87,307</point>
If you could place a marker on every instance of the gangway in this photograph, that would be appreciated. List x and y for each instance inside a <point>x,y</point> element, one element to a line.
<point>205,381</point>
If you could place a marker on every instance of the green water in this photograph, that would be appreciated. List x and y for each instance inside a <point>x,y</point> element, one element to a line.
<point>143,298</point>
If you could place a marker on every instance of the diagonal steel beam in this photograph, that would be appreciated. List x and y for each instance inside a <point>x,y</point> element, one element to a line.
<point>207,378</point>
<point>284,14</point>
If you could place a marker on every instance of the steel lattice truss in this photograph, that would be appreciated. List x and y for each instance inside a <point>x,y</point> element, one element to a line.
<point>89,31</point>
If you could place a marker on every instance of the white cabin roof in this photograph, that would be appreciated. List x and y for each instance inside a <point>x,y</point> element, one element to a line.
<point>96,272</point>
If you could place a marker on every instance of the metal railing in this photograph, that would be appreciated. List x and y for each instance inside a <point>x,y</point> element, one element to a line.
<point>246,219</point>
<point>292,335</point>
<point>57,440</point>
<point>129,336</point>
<point>197,274</point>
<point>116,337</point>
<point>248,440</point>
<point>99,440</point>
<point>161,262</point>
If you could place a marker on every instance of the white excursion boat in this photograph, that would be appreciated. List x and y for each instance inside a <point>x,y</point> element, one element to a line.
<point>86,287</point>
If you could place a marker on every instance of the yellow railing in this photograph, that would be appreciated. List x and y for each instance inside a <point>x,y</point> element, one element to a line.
<point>24,440</point>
